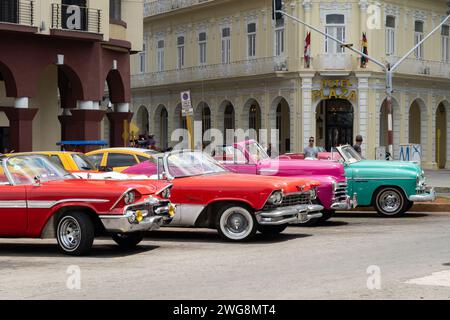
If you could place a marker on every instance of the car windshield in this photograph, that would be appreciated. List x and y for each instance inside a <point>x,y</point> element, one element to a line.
<point>256,151</point>
<point>187,164</point>
<point>27,170</point>
<point>349,154</point>
<point>83,162</point>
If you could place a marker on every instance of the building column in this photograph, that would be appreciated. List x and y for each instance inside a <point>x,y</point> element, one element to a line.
<point>85,123</point>
<point>21,127</point>
<point>307,119</point>
<point>363,103</point>
<point>118,121</point>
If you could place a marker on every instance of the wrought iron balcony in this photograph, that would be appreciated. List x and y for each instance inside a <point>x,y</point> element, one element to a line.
<point>155,7</point>
<point>76,18</point>
<point>245,68</point>
<point>414,66</point>
<point>17,12</point>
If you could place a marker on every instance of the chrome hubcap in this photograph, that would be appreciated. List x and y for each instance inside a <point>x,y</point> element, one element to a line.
<point>69,233</point>
<point>390,201</point>
<point>236,223</point>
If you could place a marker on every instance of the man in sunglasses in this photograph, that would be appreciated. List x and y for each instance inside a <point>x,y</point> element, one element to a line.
<point>310,150</point>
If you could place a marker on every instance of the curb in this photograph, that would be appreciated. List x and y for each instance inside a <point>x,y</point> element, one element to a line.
<point>421,207</point>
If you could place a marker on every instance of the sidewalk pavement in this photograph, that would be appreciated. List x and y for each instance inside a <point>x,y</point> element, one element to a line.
<point>440,179</point>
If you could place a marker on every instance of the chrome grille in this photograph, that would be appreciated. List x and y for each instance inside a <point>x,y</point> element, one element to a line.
<point>341,191</point>
<point>291,200</point>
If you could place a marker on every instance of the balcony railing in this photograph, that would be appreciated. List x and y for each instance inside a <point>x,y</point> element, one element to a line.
<point>421,67</point>
<point>76,18</point>
<point>155,7</point>
<point>333,62</point>
<point>269,65</point>
<point>17,12</point>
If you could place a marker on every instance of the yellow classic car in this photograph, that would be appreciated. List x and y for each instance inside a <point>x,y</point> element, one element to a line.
<point>118,159</point>
<point>71,161</point>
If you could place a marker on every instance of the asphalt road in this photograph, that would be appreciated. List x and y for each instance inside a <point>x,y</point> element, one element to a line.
<point>408,258</point>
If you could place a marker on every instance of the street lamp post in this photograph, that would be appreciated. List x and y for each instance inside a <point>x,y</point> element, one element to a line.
<point>387,68</point>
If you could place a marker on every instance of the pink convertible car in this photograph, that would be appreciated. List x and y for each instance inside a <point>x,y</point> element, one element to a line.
<point>250,157</point>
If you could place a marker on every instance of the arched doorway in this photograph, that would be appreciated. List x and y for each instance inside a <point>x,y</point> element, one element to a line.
<point>161,126</point>
<point>142,119</point>
<point>283,126</point>
<point>203,114</point>
<point>414,123</point>
<point>227,112</point>
<point>252,114</point>
<point>181,123</point>
<point>441,136</point>
<point>229,117</point>
<point>334,123</point>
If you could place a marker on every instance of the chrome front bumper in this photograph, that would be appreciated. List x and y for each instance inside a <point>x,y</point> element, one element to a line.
<point>121,224</point>
<point>289,215</point>
<point>427,196</point>
<point>347,204</point>
<point>157,214</point>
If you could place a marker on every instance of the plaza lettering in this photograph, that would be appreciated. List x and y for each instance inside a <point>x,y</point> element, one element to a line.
<point>335,89</point>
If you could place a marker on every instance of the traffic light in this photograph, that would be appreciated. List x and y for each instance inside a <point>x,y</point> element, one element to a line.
<point>277,6</point>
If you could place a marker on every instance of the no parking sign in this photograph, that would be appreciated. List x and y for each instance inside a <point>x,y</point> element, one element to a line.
<point>186,104</point>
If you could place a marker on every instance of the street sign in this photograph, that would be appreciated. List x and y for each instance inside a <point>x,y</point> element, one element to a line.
<point>380,153</point>
<point>411,153</point>
<point>186,104</point>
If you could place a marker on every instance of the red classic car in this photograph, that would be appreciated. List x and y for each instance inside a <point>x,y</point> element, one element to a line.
<point>237,205</point>
<point>39,199</point>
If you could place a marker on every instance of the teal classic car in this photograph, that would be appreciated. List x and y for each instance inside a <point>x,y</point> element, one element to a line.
<point>391,187</point>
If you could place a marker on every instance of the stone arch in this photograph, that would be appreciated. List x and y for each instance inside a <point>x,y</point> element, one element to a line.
<point>143,120</point>
<point>7,76</point>
<point>161,126</point>
<point>252,116</point>
<point>226,118</point>
<point>116,87</point>
<point>418,118</point>
<point>382,125</point>
<point>203,113</point>
<point>441,129</point>
<point>281,118</point>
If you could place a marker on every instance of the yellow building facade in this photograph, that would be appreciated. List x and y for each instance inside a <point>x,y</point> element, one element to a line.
<point>247,70</point>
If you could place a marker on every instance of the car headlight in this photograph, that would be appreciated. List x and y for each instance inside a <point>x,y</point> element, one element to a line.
<point>166,193</point>
<point>276,198</point>
<point>129,197</point>
<point>313,193</point>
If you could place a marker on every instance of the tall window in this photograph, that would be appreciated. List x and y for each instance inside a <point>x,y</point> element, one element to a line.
<point>335,27</point>
<point>390,35</point>
<point>279,38</point>
<point>418,36</point>
<point>160,55</point>
<point>142,58</point>
<point>251,40</point>
<point>202,47</point>
<point>115,9</point>
<point>180,52</point>
<point>9,11</point>
<point>445,32</point>
<point>226,45</point>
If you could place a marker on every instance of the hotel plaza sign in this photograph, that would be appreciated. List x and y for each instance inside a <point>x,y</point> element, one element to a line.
<point>336,89</point>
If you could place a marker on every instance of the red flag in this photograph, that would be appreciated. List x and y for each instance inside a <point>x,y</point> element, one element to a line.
<point>307,53</point>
